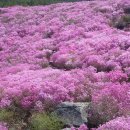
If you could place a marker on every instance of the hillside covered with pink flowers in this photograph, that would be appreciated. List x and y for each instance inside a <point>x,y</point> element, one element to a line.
<point>76,52</point>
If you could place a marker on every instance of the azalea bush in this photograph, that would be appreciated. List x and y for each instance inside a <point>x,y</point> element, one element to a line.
<point>120,123</point>
<point>109,103</point>
<point>65,52</point>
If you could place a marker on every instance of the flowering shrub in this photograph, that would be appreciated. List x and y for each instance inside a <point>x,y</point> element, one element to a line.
<point>120,123</point>
<point>66,52</point>
<point>29,88</point>
<point>110,102</point>
<point>3,127</point>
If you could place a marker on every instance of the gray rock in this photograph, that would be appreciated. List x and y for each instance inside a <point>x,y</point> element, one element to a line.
<point>72,114</point>
<point>67,129</point>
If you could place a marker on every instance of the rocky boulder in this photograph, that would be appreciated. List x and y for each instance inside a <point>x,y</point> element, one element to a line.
<point>72,114</point>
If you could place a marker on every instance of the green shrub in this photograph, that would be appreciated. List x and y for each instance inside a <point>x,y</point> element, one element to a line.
<point>45,122</point>
<point>6,115</point>
<point>121,23</point>
<point>126,18</point>
<point>26,2</point>
<point>30,2</point>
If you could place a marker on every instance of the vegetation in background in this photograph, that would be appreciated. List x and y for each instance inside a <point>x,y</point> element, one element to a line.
<point>30,2</point>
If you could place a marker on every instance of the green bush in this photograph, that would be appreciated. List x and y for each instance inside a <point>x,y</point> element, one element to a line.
<point>45,122</point>
<point>6,116</point>
<point>25,2</point>
<point>30,2</point>
<point>122,23</point>
<point>126,18</point>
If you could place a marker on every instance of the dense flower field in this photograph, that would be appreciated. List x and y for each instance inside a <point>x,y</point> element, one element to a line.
<point>67,52</point>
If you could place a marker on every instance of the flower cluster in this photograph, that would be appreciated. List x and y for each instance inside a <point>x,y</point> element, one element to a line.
<point>3,127</point>
<point>29,87</point>
<point>120,123</point>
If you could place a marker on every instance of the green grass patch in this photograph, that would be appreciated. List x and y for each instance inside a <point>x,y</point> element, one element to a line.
<point>6,116</point>
<point>41,121</point>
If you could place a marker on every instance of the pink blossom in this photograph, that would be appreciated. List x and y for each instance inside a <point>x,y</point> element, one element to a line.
<point>120,123</point>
